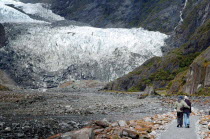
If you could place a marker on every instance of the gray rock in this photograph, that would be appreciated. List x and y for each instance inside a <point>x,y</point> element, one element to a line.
<point>102,124</point>
<point>149,90</point>
<point>85,133</point>
<point>130,133</point>
<point>122,123</point>
<point>2,125</point>
<point>8,129</point>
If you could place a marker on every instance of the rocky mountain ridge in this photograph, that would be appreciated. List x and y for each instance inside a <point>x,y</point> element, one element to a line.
<point>170,72</point>
<point>123,13</point>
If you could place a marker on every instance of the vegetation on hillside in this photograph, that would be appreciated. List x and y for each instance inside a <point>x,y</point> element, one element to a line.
<point>169,72</point>
<point>3,88</point>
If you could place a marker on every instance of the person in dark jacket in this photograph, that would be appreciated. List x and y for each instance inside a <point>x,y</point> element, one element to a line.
<point>186,112</point>
<point>179,105</point>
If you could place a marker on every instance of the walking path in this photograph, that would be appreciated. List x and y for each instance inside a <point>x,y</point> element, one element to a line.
<point>181,133</point>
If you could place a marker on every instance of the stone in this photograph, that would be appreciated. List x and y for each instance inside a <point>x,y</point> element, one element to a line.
<point>114,124</point>
<point>8,129</point>
<point>122,123</point>
<point>98,131</point>
<point>102,124</point>
<point>130,133</point>
<point>2,125</point>
<point>142,96</point>
<point>148,119</point>
<point>20,135</point>
<point>85,133</point>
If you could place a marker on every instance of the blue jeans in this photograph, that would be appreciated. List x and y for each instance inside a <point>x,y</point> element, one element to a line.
<point>186,119</point>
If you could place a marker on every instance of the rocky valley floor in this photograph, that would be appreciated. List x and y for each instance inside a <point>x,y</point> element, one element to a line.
<point>38,114</point>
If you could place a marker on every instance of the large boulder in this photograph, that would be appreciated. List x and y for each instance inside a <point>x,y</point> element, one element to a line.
<point>149,90</point>
<point>85,133</point>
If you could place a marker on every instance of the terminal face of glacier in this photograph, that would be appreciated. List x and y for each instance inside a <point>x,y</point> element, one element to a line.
<point>40,54</point>
<point>82,52</point>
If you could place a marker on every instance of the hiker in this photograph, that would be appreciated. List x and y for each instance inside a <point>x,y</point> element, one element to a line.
<point>187,112</point>
<point>179,105</point>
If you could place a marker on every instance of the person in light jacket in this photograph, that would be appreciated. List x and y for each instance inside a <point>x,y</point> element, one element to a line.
<point>179,106</point>
<point>187,112</point>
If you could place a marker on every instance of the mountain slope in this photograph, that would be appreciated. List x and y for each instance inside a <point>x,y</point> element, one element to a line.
<point>123,13</point>
<point>161,71</point>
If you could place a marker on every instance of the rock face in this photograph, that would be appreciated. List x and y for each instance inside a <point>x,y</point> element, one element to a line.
<point>2,36</point>
<point>122,13</point>
<point>198,77</point>
<point>192,36</point>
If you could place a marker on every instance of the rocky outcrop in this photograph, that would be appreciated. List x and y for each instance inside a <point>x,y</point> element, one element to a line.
<point>122,13</point>
<point>195,15</point>
<point>198,77</point>
<point>2,36</point>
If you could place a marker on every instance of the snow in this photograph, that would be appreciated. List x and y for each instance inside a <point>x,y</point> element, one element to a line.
<point>37,9</point>
<point>8,14</point>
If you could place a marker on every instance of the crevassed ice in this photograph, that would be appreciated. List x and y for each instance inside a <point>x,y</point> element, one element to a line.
<point>63,46</point>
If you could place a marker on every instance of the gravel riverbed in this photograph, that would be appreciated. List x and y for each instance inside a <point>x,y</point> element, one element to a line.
<point>35,114</point>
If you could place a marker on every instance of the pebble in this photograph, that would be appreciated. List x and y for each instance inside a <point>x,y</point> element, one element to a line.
<point>2,125</point>
<point>8,129</point>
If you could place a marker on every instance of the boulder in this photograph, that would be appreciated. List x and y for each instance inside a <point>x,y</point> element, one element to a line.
<point>85,133</point>
<point>102,124</point>
<point>149,90</point>
<point>130,133</point>
<point>122,123</point>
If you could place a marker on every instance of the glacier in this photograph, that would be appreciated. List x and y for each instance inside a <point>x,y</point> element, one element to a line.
<point>41,54</point>
<point>38,10</point>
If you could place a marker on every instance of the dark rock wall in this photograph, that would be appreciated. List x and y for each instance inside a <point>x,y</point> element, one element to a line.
<point>158,15</point>
<point>2,36</point>
<point>196,13</point>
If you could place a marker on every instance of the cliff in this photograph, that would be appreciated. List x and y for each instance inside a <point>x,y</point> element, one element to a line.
<point>198,77</point>
<point>122,13</point>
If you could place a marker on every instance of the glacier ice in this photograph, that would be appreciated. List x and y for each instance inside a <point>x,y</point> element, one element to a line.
<point>8,14</point>
<point>38,9</point>
<point>46,54</point>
